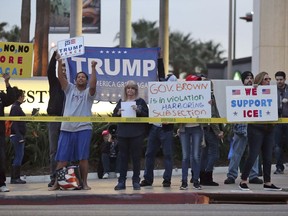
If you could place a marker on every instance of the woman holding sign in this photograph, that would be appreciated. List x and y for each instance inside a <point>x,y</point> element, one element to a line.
<point>130,135</point>
<point>260,139</point>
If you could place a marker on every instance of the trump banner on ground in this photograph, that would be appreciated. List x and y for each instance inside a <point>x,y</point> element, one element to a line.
<point>179,99</point>
<point>247,103</point>
<point>115,66</point>
<point>16,59</point>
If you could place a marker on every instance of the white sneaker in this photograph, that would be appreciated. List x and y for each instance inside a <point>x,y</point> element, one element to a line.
<point>105,176</point>
<point>4,189</point>
<point>117,175</point>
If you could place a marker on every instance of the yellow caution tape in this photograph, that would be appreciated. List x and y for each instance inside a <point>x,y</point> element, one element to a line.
<point>128,120</point>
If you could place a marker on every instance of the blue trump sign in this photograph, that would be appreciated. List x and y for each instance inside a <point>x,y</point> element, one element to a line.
<point>115,66</point>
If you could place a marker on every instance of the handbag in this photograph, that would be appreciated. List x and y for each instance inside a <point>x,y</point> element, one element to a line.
<point>69,178</point>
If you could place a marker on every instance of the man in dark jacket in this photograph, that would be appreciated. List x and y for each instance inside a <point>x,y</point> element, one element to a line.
<point>5,100</point>
<point>55,108</point>
<point>160,135</point>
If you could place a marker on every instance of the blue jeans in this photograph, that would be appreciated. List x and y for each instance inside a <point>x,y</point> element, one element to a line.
<point>210,153</point>
<point>130,147</point>
<point>18,150</point>
<point>259,140</point>
<point>191,148</point>
<point>53,136</point>
<point>106,161</point>
<point>2,160</point>
<point>239,144</point>
<point>159,137</point>
<point>279,131</point>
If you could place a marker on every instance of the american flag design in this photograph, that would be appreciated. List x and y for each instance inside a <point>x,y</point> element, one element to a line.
<point>67,178</point>
<point>236,92</point>
<point>265,91</point>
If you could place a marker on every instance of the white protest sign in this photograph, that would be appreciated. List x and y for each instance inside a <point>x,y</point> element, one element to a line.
<point>71,47</point>
<point>179,99</point>
<point>127,109</point>
<point>246,103</point>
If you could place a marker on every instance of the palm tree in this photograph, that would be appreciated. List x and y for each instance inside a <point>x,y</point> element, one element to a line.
<point>41,38</point>
<point>2,31</point>
<point>209,52</point>
<point>182,52</point>
<point>12,36</point>
<point>25,20</point>
<point>145,34</point>
<point>186,54</point>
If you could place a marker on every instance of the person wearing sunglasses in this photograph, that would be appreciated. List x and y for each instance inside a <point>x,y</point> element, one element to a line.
<point>260,139</point>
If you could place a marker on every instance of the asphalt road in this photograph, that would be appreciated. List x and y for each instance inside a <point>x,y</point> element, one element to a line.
<point>147,210</point>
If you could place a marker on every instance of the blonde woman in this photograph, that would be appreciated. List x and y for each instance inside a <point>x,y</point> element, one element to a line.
<point>260,139</point>
<point>130,135</point>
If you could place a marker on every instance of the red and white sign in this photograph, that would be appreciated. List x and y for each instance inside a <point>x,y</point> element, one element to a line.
<point>246,103</point>
<point>71,47</point>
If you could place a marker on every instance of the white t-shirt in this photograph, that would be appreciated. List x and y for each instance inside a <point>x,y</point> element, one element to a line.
<point>78,103</point>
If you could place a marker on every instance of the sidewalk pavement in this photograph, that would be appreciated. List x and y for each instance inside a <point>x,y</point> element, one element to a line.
<point>35,192</point>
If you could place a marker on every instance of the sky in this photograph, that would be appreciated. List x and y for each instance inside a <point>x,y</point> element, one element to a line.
<point>204,20</point>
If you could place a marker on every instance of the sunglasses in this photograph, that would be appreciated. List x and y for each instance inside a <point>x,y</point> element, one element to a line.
<point>267,79</point>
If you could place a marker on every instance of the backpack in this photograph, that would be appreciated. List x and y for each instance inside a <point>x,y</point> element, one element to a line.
<point>8,125</point>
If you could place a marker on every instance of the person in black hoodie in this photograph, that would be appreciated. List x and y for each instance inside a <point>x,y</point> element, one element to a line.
<point>55,108</point>
<point>17,137</point>
<point>6,99</point>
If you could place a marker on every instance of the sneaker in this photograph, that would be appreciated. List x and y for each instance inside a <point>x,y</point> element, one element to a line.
<point>244,187</point>
<point>256,181</point>
<point>105,176</point>
<point>51,183</point>
<point>4,189</point>
<point>184,185</point>
<point>279,171</point>
<point>166,183</point>
<point>17,181</point>
<point>145,183</point>
<point>271,187</point>
<point>120,186</point>
<point>229,180</point>
<point>136,186</point>
<point>197,186</point>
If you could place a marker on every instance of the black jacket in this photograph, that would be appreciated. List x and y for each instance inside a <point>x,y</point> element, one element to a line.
<point>56,94</point>
<point>132,129</point>
<point>18,127</point>
<point>5,100</point>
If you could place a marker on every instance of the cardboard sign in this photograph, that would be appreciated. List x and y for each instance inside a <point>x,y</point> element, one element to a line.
<point>179,99</point>
<point>246,103</point>
<point>71,47</point>
<point>16,59</point>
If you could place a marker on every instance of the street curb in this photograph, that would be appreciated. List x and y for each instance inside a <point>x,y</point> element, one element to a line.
<point>148,198</point>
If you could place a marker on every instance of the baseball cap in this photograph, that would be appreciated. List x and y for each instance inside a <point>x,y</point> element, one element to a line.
<point>192,78</point>
<point>105,132</point>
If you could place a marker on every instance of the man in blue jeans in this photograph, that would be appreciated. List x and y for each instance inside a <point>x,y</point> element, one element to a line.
<point>239,145</point>
<point>159,135</point>
<point>281,129</point>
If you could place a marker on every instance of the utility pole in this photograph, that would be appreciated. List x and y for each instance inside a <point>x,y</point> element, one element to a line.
<point>230,30</point>
<point>76,18</point>
<point>125,23</point>
<point>164,32</point>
